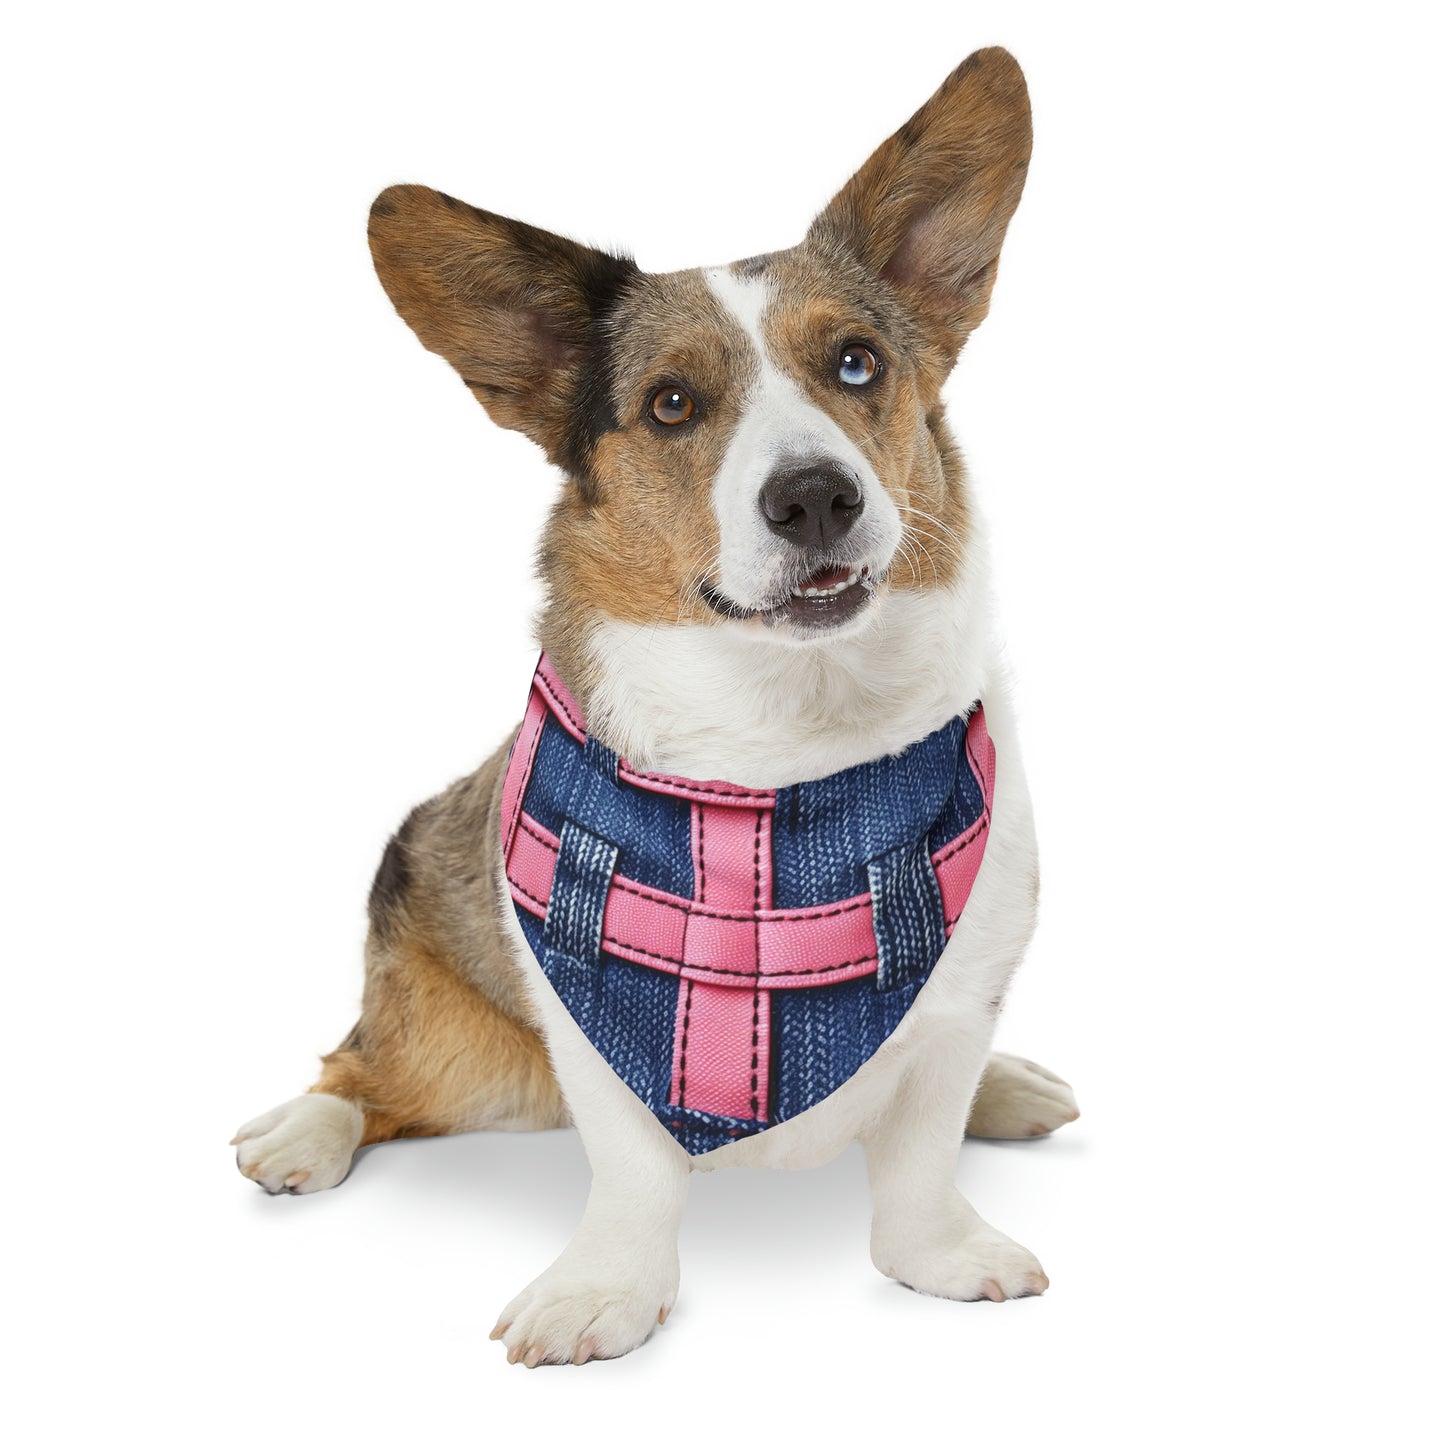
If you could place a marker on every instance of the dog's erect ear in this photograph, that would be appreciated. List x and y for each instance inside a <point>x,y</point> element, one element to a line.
<point>514,308</point>
<point>928,211</point>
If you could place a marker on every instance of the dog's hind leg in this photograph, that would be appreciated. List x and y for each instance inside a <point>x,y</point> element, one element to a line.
<point>1018,1099</point>
<point>431,1054</point>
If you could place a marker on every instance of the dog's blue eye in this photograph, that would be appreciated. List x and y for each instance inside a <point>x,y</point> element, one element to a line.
<point>857,366</point>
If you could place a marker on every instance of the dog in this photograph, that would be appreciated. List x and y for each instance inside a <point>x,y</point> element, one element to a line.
<point>763,566</point>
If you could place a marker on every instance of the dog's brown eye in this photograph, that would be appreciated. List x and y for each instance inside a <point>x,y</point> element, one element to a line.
<point>857,366</point>
<point>671,405</point>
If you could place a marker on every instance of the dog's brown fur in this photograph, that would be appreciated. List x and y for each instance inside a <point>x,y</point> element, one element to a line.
<point>447,1040</point>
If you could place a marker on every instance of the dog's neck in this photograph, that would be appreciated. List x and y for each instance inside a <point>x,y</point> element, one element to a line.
<point>717,702</point>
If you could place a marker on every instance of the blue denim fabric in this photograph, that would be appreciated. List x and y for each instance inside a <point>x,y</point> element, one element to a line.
<point>825,832</point>
<point>868,829</point>
<point>653,833</point>
<point>823,1036</point>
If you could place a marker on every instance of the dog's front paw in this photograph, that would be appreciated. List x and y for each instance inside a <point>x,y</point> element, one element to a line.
<point>301,1146</point>
<point>975,1263</point>
<point>1018,1099</point>
<point>582,1310</point>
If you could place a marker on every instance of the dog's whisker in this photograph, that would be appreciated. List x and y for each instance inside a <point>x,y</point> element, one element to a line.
<point>936,522</point>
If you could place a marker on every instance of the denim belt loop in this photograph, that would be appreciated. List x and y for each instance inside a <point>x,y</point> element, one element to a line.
<point>572,933</point>
<point>908,923</point>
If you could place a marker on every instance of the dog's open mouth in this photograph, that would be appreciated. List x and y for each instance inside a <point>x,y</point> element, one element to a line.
<point>828,597</point>
<point>821,600</point>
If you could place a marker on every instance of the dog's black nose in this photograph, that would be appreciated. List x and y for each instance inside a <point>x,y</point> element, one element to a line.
<point>811,503</point>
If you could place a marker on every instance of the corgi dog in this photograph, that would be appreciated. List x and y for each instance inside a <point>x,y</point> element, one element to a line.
<point>763,566</point>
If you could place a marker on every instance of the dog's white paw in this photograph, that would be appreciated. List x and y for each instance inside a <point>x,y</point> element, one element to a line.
<point>1020,1100</point>
<point>582,1310</point>
<point>977,1263</point>
<point>301,1146</point>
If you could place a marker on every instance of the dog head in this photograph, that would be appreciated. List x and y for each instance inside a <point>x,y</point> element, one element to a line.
<point>758,446</point>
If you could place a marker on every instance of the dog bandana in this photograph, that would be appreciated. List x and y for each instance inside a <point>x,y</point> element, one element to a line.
<point>736,954</point>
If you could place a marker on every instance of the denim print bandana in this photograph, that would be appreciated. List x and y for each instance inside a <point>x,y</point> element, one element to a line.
<point>737,954</point>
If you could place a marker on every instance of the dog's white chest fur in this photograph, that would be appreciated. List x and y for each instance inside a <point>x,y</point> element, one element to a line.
<point>707,702</point>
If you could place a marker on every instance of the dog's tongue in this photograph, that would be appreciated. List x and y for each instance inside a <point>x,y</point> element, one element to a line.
<point>829,577</point>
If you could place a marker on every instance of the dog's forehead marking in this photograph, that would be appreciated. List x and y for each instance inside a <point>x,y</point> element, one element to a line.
<point>777,414</point>
<point>744,298</point>
<point>777,418</point>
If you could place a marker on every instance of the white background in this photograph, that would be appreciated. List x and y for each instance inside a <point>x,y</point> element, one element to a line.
<point>265,586</point>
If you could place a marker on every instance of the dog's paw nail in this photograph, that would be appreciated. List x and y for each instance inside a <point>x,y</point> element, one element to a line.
<point>663,1313</point>
<point>994,1291</point>
<point>534,1357</point>
<point>585,1350</point>
<point>293,1181</point>
<point>515,1353</point>
<point>1038,1283</point>
<point>499,1329</point>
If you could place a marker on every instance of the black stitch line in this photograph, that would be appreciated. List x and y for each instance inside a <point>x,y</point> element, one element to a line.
<point>754,1100</point>
<point>682,1060</point>
<point>694,789</point>
<point>701,859</point>
<point>547,688</point>
<point>541,903</point>
<point>757,950</point>
<point>528,825</point>
<point>678,907</point>
<point>725,916</point>
<point>712,968</point>
<point>742,797</point>
<point>969,835</point>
